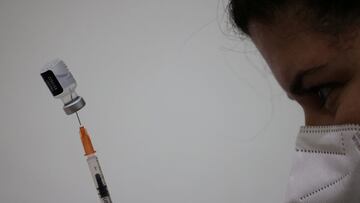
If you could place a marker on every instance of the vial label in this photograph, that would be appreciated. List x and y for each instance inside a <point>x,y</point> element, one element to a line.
<point>52,83</point>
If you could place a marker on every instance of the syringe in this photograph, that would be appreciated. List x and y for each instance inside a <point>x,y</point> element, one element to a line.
<point>62,85</point>
<point>94,166</point>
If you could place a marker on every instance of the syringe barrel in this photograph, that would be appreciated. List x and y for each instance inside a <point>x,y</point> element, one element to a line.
<point>98,178</point>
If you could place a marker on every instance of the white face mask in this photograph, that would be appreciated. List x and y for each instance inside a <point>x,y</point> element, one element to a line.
<point>326,167</point>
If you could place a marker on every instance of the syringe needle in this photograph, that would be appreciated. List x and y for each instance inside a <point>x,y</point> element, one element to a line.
<point>77,115</point>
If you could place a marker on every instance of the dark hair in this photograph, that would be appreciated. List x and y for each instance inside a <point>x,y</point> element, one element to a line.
<point>331,16</point>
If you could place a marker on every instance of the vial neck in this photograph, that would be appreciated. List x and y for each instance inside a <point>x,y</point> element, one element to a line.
<point>66,99</point>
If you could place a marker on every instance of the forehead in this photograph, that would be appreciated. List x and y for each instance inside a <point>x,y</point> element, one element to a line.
<point>289,47</point>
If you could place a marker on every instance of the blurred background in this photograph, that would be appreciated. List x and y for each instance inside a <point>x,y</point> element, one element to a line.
<point>180,108</point>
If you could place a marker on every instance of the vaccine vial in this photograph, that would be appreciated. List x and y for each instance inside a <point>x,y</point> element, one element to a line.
<point>62,84</point>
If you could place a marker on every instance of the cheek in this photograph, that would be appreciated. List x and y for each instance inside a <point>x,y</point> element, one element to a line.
<point>348,110</point>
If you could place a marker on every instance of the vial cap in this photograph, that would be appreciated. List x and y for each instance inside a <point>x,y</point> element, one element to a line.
<point>74,106</point>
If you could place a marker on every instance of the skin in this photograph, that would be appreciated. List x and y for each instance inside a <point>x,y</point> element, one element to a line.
<point>330,92</point>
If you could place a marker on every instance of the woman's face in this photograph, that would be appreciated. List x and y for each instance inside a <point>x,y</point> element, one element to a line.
<point>318,71</point>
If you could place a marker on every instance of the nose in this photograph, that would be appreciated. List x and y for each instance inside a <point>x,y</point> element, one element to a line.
<point>318,117</point>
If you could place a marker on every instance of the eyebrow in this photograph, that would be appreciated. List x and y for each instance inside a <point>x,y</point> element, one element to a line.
<point>296,86</point>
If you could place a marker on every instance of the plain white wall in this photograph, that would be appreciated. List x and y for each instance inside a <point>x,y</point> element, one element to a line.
<point>179,109</point>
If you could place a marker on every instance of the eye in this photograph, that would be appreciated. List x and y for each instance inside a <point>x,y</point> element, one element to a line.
<point>322,92</point>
